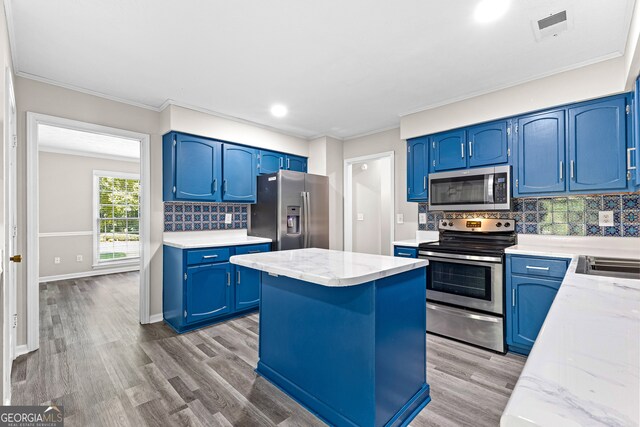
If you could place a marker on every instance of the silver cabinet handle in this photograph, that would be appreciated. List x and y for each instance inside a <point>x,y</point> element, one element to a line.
<point>209,256</point>
<point>561,170</point>
<point>424,182</point>
<point>470,148</point>
<point>254,252</point>
<point>238,277</point>
<point>288,163</point>
<point>629,167</point>
<point>462,150</point>
<point>513,297</point>
<point>228,279</point>
<point>403,254</point>
<point>224,185</point>
<point>529,267</point>
<point>215,185</point>
<point>572,167</point>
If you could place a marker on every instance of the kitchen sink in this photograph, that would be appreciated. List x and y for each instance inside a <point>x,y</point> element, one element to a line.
<point>609,267</point>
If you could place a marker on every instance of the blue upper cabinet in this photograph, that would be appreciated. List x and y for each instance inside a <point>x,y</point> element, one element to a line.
<point>597,145</point>
<point>488,144</point>
<point>540,153</point>
<point>239,174</point>
<point>417,169</point>
<point>192,168</point>
<point>449,150</point>
<point>633,156</point>
<point>270,162</point>
<point>296,163</point>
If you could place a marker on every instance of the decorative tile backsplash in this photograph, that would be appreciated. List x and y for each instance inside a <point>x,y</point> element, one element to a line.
<point>191,216</point>
<point>563,216</point>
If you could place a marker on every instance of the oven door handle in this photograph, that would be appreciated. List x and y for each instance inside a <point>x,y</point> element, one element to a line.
<point>468,315</point>
<point>448,257</point>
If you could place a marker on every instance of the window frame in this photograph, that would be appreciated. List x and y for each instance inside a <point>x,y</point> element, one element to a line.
<point>97,174</point>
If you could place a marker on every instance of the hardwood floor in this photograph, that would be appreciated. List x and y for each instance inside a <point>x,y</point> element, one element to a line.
<point>106,369</point>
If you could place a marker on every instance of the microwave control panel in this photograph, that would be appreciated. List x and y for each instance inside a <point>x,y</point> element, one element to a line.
<point>500,188</point>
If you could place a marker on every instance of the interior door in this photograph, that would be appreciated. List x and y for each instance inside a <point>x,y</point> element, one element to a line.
<point>10,257</point>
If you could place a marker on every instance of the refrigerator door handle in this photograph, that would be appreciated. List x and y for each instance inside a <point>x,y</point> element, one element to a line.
<point>305,219</point>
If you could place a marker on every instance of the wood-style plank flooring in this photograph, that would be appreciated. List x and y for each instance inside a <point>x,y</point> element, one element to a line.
<point>106,369</point>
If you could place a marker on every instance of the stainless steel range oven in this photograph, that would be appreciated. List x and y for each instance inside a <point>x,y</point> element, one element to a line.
<point>465,280</point>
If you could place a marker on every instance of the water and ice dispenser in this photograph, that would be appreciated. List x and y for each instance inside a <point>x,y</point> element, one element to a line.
<point>293,219</point>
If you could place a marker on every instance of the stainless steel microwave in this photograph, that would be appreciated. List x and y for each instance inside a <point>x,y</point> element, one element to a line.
<point>471,189</point>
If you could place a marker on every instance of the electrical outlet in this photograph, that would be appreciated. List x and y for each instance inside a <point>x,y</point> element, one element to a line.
<point>228,218</point>
<point>422,218</point>
<point>605,218</point>
<point>78,258</point>
<point>400,218</point>
<point>360,217</point>
<point>56,260</point>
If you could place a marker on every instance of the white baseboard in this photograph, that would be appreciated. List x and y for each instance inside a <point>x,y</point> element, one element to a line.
<point>21,349</point>
<point>154,318</point>
<point>89,273</point>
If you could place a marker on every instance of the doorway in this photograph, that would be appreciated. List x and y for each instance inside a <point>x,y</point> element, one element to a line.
<point>369,204</point>
<point>93,181</point>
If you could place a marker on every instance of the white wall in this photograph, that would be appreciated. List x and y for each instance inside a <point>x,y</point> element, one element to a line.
<point>390,141</point>
<point>66,205</point>
<point>183,119</point>
<point>593,81</point>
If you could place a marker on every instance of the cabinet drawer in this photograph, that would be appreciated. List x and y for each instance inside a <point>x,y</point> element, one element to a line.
<point>253,249</point>
<point>544,267</point>
<point>205,256</point>
<point>405,252</point>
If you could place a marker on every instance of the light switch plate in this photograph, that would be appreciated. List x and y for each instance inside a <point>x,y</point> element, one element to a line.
<point>605,218</point>
<point>422,218</point>
<point>400,218</point>
<point>360,217</point>
<point>228,218</point>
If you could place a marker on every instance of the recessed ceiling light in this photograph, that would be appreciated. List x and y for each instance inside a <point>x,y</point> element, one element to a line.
<point>279,110</point>
<point>490,10</point>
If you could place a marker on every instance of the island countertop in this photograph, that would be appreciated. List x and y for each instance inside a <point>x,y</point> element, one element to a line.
<point>328,267</point>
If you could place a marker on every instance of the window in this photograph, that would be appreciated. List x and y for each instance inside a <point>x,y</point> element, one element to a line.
<point>117,217</point>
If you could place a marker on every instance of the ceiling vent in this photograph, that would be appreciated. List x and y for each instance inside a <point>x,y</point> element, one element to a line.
<point>551,25</point>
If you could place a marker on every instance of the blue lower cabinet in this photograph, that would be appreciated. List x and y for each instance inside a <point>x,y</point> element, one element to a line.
<point>529,297</point>
<point>201,287</point>
<point>405,252</point>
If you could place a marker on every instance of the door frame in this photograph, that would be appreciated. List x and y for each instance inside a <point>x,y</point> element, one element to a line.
<point>348,195</point>
<point>32,226</point>
<point>10,194</point>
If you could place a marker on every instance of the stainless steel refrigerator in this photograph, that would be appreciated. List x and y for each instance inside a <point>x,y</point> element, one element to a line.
<point>292,210</point>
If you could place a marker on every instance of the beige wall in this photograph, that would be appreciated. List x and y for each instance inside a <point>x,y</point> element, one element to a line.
<point>593,81</point>
<point>66,205</point>
<point>325,158</point>
<point>390,141</point>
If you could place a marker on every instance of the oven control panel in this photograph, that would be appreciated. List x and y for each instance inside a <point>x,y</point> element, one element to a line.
<point>485,225</point>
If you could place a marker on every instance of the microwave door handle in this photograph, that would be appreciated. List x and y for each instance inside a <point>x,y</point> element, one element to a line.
<point>490,184</point>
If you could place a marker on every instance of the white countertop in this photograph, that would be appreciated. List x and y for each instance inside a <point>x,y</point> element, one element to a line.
<point>210,239</point>
<point>584,368</point>
<point>327,267</point>
<point>421,237</point>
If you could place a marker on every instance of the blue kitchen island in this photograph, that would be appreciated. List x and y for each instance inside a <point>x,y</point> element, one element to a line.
<point>343,333</point>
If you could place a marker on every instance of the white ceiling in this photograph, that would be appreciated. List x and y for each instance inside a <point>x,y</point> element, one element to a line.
<point>343,68</point>
<point>61,140</point>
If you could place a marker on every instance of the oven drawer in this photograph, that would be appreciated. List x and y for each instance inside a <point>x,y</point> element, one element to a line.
<point>482,330</point>
<point>543,267</point>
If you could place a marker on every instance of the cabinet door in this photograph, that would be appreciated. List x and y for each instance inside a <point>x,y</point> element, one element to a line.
<point>208,291</point>
<point>198,168</point>
<point>634,160</point>
<point>541,153</point>
<point>417,169</point>
<point>239,170</point>
<point>487,144</point>
<point>295,163</point>
<point>449,150</point>
<point>533,298</point>
<point>270,162</point>
<point>247,287</point>
<point>597,145</point>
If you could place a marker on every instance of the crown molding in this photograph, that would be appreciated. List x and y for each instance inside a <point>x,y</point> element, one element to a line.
<point>603,58</point>
<point>373,132</point>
